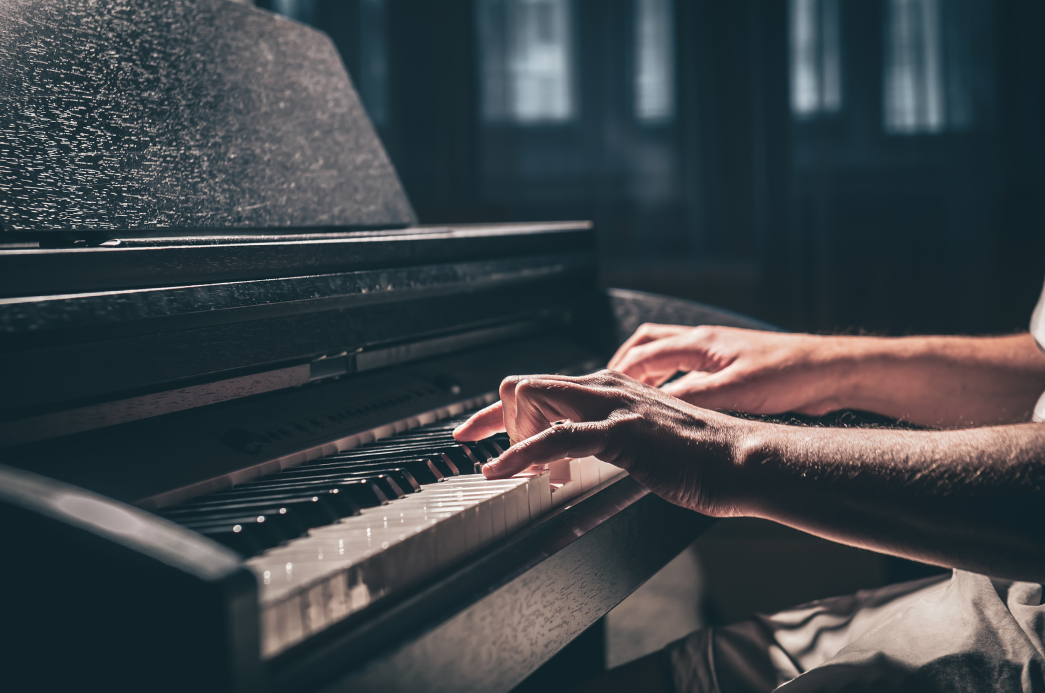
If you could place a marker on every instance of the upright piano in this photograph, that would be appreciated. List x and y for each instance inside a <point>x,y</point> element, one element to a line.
<point>231,364</point>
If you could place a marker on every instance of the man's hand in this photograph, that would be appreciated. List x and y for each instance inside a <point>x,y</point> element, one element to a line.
<point>944,382</point>
<point>682,453</point>
<point>740,370</point>
<point>966,499</point>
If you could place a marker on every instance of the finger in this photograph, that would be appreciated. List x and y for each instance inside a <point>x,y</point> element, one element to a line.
<point>647,332</point>
<point>540,401</point>
<point>707,390</point>
<point>508,393</point>
<point>493,418</point>
<point>655,362</point>
<point>482,424</point>
<point>683,352</point>
<point>561,441</point>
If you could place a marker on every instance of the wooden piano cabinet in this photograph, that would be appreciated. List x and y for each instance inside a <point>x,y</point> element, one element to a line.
<point>100,593</point>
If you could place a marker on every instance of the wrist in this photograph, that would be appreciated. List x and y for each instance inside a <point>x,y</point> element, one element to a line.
<point>856,370</point>
<point>755,445</point>
<point>836,372</point>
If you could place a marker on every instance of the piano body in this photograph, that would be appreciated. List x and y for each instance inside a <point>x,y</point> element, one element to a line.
<point>231,362</point>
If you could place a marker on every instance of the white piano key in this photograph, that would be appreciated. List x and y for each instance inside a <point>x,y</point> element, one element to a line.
<point>314,603</point>
<point>271,644</point>
<point>338,602</point>
<point>533,493</point>
<point>584,470</point>
<point>591,471</point>
<point>518,499</point>
<point>288,626</point>
<point>336,570</point>
<point>546,492</point>
<point>560,472</point>
<point>471,526</point>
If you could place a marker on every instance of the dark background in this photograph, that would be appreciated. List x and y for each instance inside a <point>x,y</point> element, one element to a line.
<point>817,221</point>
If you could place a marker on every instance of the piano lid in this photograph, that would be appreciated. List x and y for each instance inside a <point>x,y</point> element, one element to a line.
<point>182,115</point>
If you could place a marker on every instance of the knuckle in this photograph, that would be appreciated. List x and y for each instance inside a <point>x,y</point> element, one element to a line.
<point>530,390</point>
<point>508,385</point>
<point>606,378</point>
<point>563,428</point>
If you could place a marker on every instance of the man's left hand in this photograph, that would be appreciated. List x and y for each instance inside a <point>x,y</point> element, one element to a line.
<point>683,453</point>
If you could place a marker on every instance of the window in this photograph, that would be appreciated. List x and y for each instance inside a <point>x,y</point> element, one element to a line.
<point>816,62</point>
<point>527,60</point>
<point>931,64</point>
<point>654,60</point>
<point>913,67</point>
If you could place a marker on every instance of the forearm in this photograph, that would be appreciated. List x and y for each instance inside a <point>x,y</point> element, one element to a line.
<point>969,499</point>
<point>947,382</point>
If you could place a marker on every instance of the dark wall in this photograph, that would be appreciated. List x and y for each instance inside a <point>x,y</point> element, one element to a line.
<point>820,223</point>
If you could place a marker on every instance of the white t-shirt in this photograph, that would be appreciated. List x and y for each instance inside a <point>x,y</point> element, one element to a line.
<point>1037,330</point>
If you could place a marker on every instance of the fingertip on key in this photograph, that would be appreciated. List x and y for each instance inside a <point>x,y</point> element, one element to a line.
<point>490,468</point>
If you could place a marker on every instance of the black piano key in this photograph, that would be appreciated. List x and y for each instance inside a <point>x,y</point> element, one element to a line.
<point>339,503</point>
<point>473,459</point>
<point>323,490</point>
<point>422,470</point>
<point>481,455</point>
<point>361,491</point>
<point>406,481</point>
<point>460,455</point>
<point>263,533</point>
<point>385,482</point>
<point>454,460</point>
<point>281,521</point>
<point>394,447</point>
<point>423,435</point>
<point>490,447</point>
<point>309,510</point>
<point>448,462</point>
<point>379,455</point>
<point>244,542</point>
<point>402,477</point>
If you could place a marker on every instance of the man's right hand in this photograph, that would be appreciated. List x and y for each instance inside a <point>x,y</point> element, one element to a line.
<point>734,369</point>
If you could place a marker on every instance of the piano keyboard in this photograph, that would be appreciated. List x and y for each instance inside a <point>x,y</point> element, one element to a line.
<point>331,536</point>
